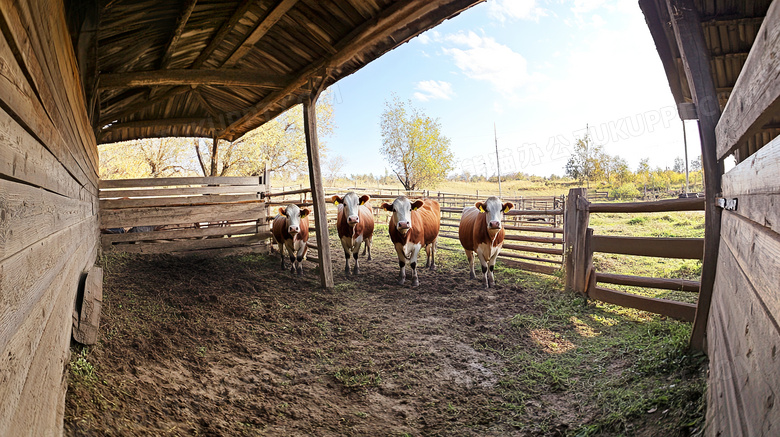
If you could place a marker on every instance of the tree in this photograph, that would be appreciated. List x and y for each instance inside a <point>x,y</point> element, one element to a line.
<point>280,144</point>
<point>147,158</point>
<point>414,146</point>
<point>587,162</point>
<point>679,165</point>
<point>696,164</point>
<point>333,167</point>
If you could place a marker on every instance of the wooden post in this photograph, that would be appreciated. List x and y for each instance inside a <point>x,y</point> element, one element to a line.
<point>573,242</point>
<point>696,61</point>
<point>317,190</point>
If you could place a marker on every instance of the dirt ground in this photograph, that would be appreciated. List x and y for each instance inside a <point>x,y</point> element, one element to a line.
<point>234,346</point>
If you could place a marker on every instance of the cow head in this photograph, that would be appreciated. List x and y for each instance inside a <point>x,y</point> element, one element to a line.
<point>293,215</point>
<point>402,212</point>
<point>495,211</point>
<point>351,203</point>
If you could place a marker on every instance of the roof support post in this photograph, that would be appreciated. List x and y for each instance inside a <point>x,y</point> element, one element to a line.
<point>695,56</point>
<point>317,190</point>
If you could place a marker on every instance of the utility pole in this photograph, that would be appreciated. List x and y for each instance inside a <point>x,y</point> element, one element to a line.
<point>685,144</point>
<point>498,164</point>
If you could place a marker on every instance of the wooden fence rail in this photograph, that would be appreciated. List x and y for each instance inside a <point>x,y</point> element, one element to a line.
<point>184,215</point>
<point>580,244</point>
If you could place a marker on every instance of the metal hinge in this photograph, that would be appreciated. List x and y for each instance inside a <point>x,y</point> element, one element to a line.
<point>727,204</point>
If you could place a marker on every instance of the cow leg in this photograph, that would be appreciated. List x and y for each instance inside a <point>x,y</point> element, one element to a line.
<point>470,257</point>
<point>401,263</point>
<point>301,255</point>
<point>483,261</point>
<point>413,263</point>
<point>369,242</point>
<point>432,255</point>
<point>281,254</point>
<point>346,244</point>
<point>355,253</point>
<point>491,266</point>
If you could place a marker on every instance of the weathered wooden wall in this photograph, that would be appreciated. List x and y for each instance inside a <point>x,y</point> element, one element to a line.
<point>743,334</point>
<point>48,212</point>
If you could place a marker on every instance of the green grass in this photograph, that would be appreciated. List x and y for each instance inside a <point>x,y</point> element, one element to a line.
<point>660,225</point>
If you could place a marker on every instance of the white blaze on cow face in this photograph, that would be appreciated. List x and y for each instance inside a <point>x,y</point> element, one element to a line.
<point>495,211</point>
<point>293,215</point>
<point>402,213</point>
<point>351,204</point>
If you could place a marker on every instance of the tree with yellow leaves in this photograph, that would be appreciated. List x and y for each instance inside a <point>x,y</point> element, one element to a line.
<point>414,146</point>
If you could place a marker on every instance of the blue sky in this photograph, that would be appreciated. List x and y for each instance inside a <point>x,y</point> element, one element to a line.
<point>540,70</point>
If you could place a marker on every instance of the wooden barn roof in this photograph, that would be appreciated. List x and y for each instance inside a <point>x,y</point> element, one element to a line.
<point>730,27</point>
<point>219,68</point>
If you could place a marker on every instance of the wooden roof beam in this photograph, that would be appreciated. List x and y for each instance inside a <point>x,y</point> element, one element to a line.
<point>257,34</point>
<point>181,22</point>
<point>244,78</point>
<point>363,36</point>
<point>164,125</point>
<point>226,27</point>
<point>132,109</point>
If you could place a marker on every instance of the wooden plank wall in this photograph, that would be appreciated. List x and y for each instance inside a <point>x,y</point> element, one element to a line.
<point>743,332</point>
<point>218,216</point>
<point>48,212</point>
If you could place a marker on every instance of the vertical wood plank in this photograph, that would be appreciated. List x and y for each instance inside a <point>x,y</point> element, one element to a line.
<point>696,61</point>
<point>317,191</point>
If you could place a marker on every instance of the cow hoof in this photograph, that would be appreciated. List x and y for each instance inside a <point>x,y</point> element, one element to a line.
<point>433,267</point>
<point>472,275</point>
<point>369,258</point>
<point>401,281</point>
<point>415,283</point>
<point>300,271</point>
<point>356,271</point>
<point>346,271</point>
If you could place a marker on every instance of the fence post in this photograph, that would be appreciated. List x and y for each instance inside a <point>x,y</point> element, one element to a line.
<point>575,225</point>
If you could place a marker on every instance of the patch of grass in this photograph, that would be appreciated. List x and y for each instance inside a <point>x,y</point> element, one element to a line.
<point>358,377</point>
<point>81,370</point>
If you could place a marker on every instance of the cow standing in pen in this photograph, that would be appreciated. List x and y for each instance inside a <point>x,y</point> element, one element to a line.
<point>412,227</point>
<point>291,230</point>
<point>481,231</point>
<point>355,225</point>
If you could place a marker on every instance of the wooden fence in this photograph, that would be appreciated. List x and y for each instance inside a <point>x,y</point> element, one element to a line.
<point>581,243</point>
<point>220,216</point>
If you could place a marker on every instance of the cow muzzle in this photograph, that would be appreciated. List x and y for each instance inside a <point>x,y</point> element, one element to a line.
<point>293,229</point>
<point>353,220</point>
<point>495,224</point>
<point>403,227</point>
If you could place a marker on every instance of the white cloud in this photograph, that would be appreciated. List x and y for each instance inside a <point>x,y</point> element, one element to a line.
<point>509,10</point>
<point>482,58</point>
<point>433,89</point>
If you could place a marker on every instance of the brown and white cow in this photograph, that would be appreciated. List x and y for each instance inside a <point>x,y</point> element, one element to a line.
<point>412,227</point>
<point>481,231</point>
<point>291,230</point>
<point>355,225</point>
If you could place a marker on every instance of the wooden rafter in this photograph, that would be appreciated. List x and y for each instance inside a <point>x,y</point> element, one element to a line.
<point>132,109</point>
<point>163,125</point>
<point>181,22</point>
<point>260,30</point>
<point>364,35</point>
<point>226,27</point>
<point>209,108</point>
<point>242,78</point>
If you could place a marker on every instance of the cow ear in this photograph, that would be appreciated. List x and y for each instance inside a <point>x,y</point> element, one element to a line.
<point>282,210</point>
<point>508,206</point>
<point>387,206</point>
<point>480,206</point>
<point>336,200</point>
<point>364,198</point>
<point>304,212</point>
<point>418,204</point>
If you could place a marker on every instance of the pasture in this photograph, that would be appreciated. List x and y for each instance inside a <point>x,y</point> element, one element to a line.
<point>234,346</point>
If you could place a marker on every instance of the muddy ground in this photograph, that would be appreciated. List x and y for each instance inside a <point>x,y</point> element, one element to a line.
<point>234,346</point>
